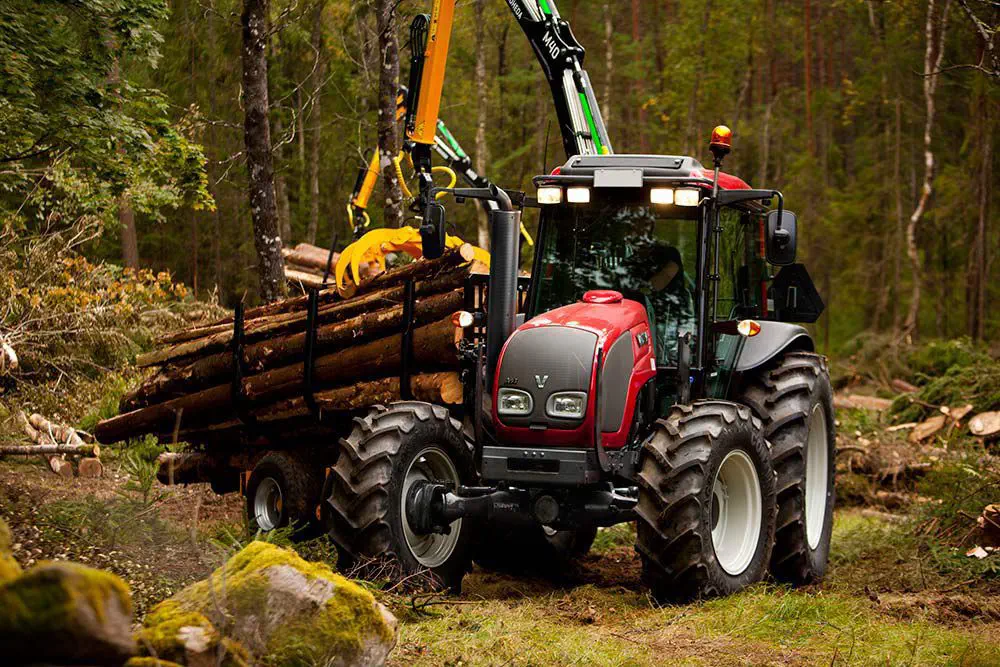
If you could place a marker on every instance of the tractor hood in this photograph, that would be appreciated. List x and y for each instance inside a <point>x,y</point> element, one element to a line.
<point>555,358</point>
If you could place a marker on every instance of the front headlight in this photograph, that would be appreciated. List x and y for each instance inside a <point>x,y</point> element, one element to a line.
<point>514,402</point>
<point>567,405</point>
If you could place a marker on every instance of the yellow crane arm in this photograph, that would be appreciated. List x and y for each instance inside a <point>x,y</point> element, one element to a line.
<point>432,80</point>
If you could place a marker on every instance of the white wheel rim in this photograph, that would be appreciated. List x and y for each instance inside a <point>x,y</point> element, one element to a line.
<point>817,473</point>
<point>432,465</point>
<point>267,503</point>
<point>736,512</point>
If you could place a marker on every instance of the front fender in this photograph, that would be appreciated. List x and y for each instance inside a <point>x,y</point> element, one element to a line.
<point>773,339</point>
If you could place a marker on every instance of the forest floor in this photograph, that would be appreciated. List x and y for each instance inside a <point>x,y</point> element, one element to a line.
<point>900,588</point>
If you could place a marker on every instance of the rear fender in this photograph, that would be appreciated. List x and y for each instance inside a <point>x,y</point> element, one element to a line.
<point>773,339</point>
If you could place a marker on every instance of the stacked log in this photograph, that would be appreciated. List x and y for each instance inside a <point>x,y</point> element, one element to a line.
<point>307,264</point>
<point>357,357</point>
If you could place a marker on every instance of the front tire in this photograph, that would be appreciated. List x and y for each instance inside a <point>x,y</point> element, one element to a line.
<point>794,399</point>
<point>706,511</point>
<point>387,452</point>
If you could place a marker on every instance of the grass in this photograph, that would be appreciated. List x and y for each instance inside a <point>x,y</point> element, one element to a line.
<point>503,621</point>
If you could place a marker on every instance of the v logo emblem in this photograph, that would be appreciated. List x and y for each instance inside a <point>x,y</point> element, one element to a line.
<point>540,380</point>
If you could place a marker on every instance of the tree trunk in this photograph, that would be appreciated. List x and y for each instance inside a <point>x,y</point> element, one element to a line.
<point>977,274</point>
<point>281,184</point>
<point>897,178</point>
<point>319,74</point>
<point>807,56</point>
<point>388,136</point>
<point>609,63</point>
<point>257,137</point>
<point>637,83</point>
<point>932,64</point>
<point>130,237</point>
<point>482,104</point>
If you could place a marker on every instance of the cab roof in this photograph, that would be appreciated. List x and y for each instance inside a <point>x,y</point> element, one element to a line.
<point>653,168</point>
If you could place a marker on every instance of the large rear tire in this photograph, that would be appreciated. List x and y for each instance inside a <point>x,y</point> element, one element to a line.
<point>794,399</point>
<point>387,451</point>
<point>706,509</point>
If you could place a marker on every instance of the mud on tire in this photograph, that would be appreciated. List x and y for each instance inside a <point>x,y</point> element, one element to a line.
<point>365,490</point>
<point>786,396</point>
<point>678,507</point>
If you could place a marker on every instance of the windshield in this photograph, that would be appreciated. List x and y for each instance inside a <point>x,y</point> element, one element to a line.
<point>648,253</point>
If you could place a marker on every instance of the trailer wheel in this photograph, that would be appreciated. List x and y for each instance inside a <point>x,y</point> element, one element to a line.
<point>706,509</point>
<point>387,451</point>
<point>519,549</point>
<point>794,399</point>
<point>283,489</point>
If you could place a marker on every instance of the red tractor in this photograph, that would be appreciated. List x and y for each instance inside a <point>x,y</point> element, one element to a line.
<point>648,371</point>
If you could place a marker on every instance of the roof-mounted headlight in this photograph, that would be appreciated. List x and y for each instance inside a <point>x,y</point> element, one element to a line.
<point>549,194</point>
<point>687,196</point>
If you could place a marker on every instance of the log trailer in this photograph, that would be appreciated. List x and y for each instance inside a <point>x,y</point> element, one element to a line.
<point>651,370</point>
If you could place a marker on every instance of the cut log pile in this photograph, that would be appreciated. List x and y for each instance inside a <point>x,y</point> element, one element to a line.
<point>53,443</point>
<point>357,358</point>
<point>306,264</point>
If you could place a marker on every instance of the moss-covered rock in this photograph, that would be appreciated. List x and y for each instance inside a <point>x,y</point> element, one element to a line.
<point>66,613</point>
<point>148,661</point>
<point>173,633</point>
<point>284,610</point>
<point>9,567</point>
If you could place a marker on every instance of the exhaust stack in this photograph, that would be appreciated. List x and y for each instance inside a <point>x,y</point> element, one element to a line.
<point>505,228</point>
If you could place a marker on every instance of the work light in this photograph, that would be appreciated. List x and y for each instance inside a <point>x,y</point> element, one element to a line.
<point>514,402</point>
<point>549,195</point>
<point>578,195</point>
<point>661,196</point>
<point>687,197</point>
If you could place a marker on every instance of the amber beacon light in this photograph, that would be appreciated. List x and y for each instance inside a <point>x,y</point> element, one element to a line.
<point>722,139</point>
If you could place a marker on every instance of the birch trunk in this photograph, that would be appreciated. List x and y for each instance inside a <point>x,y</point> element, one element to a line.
<point>932,65</point>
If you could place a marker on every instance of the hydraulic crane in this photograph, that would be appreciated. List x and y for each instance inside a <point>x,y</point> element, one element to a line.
<point>581,124</point>
<point>561,58</point>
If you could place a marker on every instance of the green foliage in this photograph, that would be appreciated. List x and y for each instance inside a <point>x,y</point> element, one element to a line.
<point>140,464</point>
<point>977,384</point>
<point>80,135</point>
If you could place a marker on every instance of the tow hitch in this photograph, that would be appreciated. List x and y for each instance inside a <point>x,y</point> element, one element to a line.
<point>432,507</point>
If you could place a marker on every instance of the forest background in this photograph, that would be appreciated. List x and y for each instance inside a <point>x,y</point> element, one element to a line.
<point>122,129</point>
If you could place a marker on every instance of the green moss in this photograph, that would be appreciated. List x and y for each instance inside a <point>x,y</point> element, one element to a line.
<point>47,599</point>
<point>160,634</point>
<point>9,568</point>
<point>242,588</point>
<point>147,661</point>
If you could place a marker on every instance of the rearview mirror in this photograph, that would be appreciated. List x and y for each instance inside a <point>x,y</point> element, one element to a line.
<point>781,238</point>
<point>432,232</point>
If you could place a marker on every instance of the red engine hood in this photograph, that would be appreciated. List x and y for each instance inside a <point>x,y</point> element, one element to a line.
<point>608,317</point>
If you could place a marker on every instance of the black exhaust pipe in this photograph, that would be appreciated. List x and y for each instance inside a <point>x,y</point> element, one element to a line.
<point>505,255</point>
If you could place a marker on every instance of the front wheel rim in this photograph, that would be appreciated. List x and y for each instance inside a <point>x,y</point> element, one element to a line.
<point>432,464</point>
<point>267,504</point>
<point>817,472</point>
<point>737,505</point>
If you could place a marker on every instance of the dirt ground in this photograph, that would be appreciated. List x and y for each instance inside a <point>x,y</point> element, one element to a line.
<point>877,604</point>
